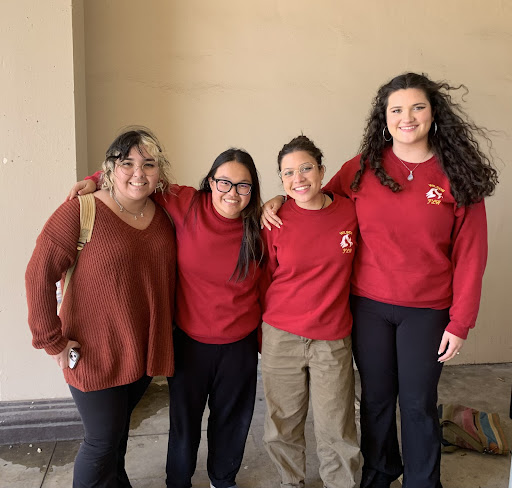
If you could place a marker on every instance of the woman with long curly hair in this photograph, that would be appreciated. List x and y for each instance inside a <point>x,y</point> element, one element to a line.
<point>418,187</point>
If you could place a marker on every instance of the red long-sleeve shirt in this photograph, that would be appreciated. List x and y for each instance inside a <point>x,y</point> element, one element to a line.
<point>416,247</point>
<point>308,268</point>
<point>210,307</point>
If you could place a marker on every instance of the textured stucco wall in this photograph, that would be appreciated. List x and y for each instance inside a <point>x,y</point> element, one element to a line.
<point>37,163</point>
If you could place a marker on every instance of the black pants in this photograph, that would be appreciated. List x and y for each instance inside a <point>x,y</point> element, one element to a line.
<point>395,349</point>
<point>225,376</point>
<point>106,418</point>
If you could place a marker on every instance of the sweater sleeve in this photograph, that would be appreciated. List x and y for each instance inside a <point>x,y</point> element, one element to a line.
<point>176,200</point>
<point>341,181</point>
<point>469,257</point>
<point>96,177</point>
<point>54,253</point>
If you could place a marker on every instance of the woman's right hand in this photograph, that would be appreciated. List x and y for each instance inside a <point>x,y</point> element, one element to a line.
<point>62,358</point>
<point>82,188</point>
<point>269,213</point>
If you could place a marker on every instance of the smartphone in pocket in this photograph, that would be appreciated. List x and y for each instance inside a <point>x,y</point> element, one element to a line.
<point>74,356</point>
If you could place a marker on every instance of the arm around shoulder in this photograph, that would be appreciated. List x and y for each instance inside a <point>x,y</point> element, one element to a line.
<point>341,181</point>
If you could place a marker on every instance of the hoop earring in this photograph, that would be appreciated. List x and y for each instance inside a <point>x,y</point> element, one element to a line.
<point>435,128</point>
<point>384,134</point>
<point>159,186</point>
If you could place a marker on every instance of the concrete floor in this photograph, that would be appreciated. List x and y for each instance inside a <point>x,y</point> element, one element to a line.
<point>50,465</point>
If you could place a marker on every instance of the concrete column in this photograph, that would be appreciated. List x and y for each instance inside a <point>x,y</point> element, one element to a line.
<point>43,104</point>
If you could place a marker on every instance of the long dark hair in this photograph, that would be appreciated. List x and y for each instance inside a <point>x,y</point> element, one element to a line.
<point>251,249</point>
<point>454,143</point>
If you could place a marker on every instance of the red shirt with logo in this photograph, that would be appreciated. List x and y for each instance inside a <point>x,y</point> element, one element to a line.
<point>416,247</point>
<point>308,268</point>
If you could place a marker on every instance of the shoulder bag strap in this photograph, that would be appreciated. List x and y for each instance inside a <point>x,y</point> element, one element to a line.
<point>87,217</point>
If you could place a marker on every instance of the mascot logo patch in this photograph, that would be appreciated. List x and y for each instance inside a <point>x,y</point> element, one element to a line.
<point>346,241</point>
<point>434,195</point>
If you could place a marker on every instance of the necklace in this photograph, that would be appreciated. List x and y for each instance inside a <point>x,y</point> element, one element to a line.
<point>323,204</point>
<point>410,177</point>
<point>122,209</point>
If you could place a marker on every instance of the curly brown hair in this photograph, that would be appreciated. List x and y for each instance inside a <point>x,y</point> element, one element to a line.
<point>300,143</point>
<point>454,143</point>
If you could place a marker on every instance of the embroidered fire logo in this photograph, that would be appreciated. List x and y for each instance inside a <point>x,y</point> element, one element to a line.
<point>434,195</point>
<point>346,241</point>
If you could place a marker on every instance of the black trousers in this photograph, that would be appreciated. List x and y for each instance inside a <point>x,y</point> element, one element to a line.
<point>224,375</point>
<point>106,418</point>
<point>395,349</point>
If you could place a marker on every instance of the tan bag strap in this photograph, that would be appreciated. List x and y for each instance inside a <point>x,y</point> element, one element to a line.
<point>87,217</point>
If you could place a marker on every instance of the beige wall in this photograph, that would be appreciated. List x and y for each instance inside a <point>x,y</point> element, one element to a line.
<point>208,75</point>
<point>38,154</point>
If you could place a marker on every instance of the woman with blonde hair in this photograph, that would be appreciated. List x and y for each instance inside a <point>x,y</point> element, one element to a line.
<point>118,309</point>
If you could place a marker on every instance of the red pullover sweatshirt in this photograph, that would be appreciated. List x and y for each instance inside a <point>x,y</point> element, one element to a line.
<point>417,248</point>
<point>309,263</point>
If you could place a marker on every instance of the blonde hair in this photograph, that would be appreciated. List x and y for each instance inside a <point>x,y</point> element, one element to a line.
<point>139,137</point>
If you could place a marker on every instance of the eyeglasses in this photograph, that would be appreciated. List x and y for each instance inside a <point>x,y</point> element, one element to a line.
<point>129,168</point>
<point>224,186</point>
<point>304,169</point>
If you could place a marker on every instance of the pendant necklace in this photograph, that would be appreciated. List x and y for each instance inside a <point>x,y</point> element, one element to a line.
<point>410,177</point>
<point>122,209</point>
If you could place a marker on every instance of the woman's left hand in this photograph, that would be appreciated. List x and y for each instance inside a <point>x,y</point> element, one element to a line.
<point>450,345</point>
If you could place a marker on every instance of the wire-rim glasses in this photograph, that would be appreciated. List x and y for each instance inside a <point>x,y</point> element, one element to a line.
<point>304,168</point>
<point>128,167</point>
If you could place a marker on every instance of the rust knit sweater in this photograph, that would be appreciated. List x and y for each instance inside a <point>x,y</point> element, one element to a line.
<point>119,303</point>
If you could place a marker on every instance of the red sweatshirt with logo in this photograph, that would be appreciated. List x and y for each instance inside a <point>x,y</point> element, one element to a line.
<point>417,248</point>
<point>308,268</point>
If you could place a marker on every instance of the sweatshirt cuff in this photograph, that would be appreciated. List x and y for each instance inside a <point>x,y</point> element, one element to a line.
<point>56,347</point>
<point>458,329</point>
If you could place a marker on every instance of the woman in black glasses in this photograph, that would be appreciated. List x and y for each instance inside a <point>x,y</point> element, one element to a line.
<point>218,313</point>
